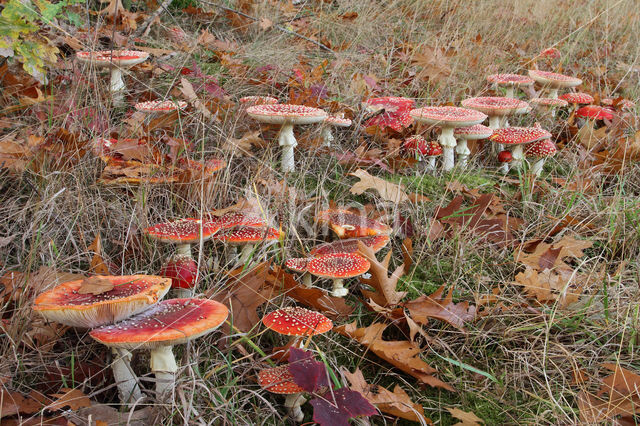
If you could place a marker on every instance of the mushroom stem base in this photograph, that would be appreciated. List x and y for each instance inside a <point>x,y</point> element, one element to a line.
<point>553,93</point>
<point>127,382</point>
<point>338,288</point>
<point>518,155</point>
<point>463,152</point>
<point>182,293</point>
<point>494,122</point>
<point>327,136</point>
<point>163,365</point>
<point>117,83</point>
<point>287,141</point>
<point>293,403</point>
<point>306,279</point>
<point>448,143</point>
<point>184,250</point>
<point>246,253</point>
<point>536,169</point>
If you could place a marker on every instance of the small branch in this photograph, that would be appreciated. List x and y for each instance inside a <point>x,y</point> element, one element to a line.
<point>147,23</point>
<point>278,27</point>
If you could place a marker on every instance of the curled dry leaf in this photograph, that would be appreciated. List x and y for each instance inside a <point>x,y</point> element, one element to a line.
<point>467,418</point>
<point>539,255</point>
<point>95,285</point>
<point>550,286</point>
<point>442,308</point>
<point>72,398</point>
<point>98,264</point>
<point>388,191</point>
<point>384,285</point>
<point>402,354</point>
<point>397,403</point>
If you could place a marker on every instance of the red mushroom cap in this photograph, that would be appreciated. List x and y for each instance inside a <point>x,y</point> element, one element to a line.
<point>577,98</point>
<point>541,149</point>
<point>376,242</point>
<point>278,380</point>
<point>554,79</point>
<point>595,112</point>
<point>258,100</point>
<point>416,143</point>
<point>550,102</point>
<point>167,323</point>
<point>130,295</point>
<point>298,264</point>
<point>448,116</point>
<point>286,113</point>
<point>338,265</point>
<point>505,157</point>
<point>433,149</point>
<point>182,231</point>
<point>160,105</point>
<point>396,112</point>
<point>550,52</point>
<point>496,105</point>
<point>350,225</point>
<point>519,135</point>
<point>247,235</point>
<point>117,57</point>
<point>622,103</point>
<point>477,131</point>
<point>510,79</point>
<point>337,121</point>
<point>296,321</point>
<point>182,270</point>
<point>230,220</point>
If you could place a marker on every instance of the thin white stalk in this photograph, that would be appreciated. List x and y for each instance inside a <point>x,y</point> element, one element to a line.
<point>338,288</point>
<point>293,403</point>
<point>510,92</point>
<point>518,154</point>
<point>448,143</point>
<point>182,293</point>
<point>463,152</point>
<point>164,367</point>
<point>184,250</point>
<point>536,169</point>
<point>553,93</point>
<point>494,122</point>
<point>117,83</point>
<point>128,388</point>
<point>327,136</point>
<point>287,141</point>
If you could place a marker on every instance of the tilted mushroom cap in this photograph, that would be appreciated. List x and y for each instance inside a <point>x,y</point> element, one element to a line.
<point>519,135</point>
<point>258,100</point>
<point>622,103</point>
<point>337,121</point>
<point>448,116</point>
<point>552,79</point>
<point>338,265</point>
<point>510,80</point>
<point>234,219</point>
<point>182,270</point>
<point>577,98</point>
<point>278,380</point>
<point>123,58</point>
<point>131,294</point>
<point>549,102</point>
<point>395,115</point>
<point>296,321</point>
<point>475,132</point>
<point>286,113</point>
<point>182,231</point>
<point>496,105</point>
<point>162,106</point>
<point>433,149</point>
<point>247,235</point>
<point>349,225</point>
<point>170,322</point>
<point>416,143</point>
<point>350,245</point>
<point>541,149</point>
<point>595,112</point>
<point>298,264</point>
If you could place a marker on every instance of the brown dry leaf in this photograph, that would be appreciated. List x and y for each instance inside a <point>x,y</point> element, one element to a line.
<point>243,145</point>
<point>540,255</point>
<point>16,403</point>
<point>402,354</point>
<point>44,278</point>
<point>619,394</point>
<point>435,230</point>
<point>189,92</point>
<point>97,265</point>
<point>101,413</point>
<point>72,398</point>
<point>397,403</point>
<point>43,335</point>
<point>384,285</point>
<point>95,285</point>
<point>387,190</point>
<point>435,306</point>
<point>433,63</point>
<point>590,138</point>
<point>243,205</point>
<point>265,24</point>
<point>132,149</point>
<point>549,286</point>
<point>468,418</point>
<point>244,293</point>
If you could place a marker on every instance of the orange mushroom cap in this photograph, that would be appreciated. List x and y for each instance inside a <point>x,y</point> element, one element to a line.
<point>349,225</point>
<point>182,231</point>
<point>278,380</point>
<point>296,321</point>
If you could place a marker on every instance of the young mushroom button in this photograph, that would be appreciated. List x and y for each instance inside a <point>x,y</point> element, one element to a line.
<point>296,321</point>
<point>448,118</point>
<point>338,266</point>
<point>159,328</point>
<point>286,115</point>
<point>519,136</point>
<point>279,380</point>
<point>541,150</point>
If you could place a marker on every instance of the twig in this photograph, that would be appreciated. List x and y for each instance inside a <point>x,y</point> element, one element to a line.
<point>147,23</point>
<point>278,27</point>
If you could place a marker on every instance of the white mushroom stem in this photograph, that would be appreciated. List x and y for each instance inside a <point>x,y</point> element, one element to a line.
<point>338,288</point>
<point>182,293</point>
<point>327,136</point>
<point>448,143</point>
<point>518,155</point>
<point>510,92</point>
<point>287,141</point>
<point>306,279</point>
<point>536,169</point>
<point>494,122</point>
<point>163,365</point>
<point>183,250</point>
<point>553,93</point>
<point>463,152</point>
<point>504,168</point>
<point>127,382</point>
<point>246,253</point>
<point>117,83</point>
<point>504,122</point>
<point>431,163</point>
<point>293,403</point>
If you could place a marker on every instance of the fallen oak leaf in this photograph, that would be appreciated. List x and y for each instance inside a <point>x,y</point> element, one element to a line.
<point>336,407</point>
<point>551,286</point>
<point>95,285</point>
<point>384,293</point>
<point>16,403</point>
<point>72,398</point>
<point>442,308</point>
<point>387,190</point>
<point>468,418</point>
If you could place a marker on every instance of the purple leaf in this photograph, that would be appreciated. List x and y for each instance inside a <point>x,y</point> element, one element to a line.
<point>307,373</point>
<point>337,407</point>
<point>319,90</point>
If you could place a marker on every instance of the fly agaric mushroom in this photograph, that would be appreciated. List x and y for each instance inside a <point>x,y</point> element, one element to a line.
<point>541,150</point>
<point>183,271</point>
<point>299,265</point>
<point>618,102</point>
<point>549,104</point>
<point>416,145</point>
<point>393,112</point>
<point>593,113</point>
<point>350,245</point>
<point>233,219</point>
<point>286,115</point>
<point>116,60</point>
<point>338,266</point>
<point>332,121</point>
<point>66,304</point>
<point>510,82</point>
<point>577,98</point>
<point>248,101</point>
<point>504,158</point>
<point>519,136</point>
<point>433,150</point>
<point>160,106</point>
<point>448,118</point>
<point>351,225</point>
<point>297,322</point>
<point>279,380</point>
<point>465,134</point>
<point>248,237</point>
<point>497,108</point>
<point>159,328</point>
<point>554,81</point>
